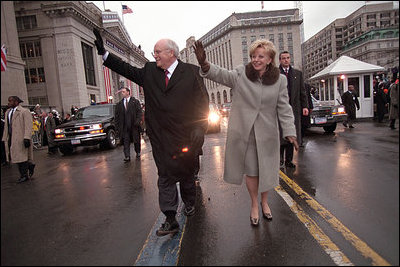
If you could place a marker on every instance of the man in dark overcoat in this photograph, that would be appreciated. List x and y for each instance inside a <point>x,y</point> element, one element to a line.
<point>128,115</point>
<point>176,120</point>
<point>298,101</point>
<point>350,101</point>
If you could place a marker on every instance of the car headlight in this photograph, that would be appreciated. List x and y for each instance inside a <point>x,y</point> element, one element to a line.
<point>58,131</point>
<point>341,110</point>
<point>213,117</point>
<point>96,126</point>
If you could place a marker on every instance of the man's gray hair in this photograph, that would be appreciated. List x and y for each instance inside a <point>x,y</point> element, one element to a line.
<point>173,46</point>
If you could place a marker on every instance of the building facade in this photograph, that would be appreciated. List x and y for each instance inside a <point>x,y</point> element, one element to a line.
<point>12,79</point>
<point>356,36</point>
<point>227,45</point>
<point>62,67</point>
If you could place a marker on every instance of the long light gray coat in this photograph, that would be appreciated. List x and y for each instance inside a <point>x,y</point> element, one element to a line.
<point>259,105</point>
<point>21,129</point>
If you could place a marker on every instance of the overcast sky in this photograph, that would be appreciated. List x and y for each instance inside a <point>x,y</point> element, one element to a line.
<point>178,20</point>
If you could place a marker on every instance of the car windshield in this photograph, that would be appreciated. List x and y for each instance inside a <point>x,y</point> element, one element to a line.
<point>93,111</point>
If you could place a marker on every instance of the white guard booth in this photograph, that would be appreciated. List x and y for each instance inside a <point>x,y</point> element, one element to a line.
<point>334,80</point>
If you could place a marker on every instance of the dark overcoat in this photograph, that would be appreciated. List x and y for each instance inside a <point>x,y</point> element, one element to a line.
<point>128,120</point>
<point>297,97</point>
<point>350,101</point>
<point>173,112</point>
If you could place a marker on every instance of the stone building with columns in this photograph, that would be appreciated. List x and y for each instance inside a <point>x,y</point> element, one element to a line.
<point>62,68</point>
<point>228,43</point>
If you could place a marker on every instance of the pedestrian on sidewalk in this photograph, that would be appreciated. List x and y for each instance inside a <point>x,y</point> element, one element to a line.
<point>176,121</point>
<point>350,102</point>
<point>260,101</point>
<point>17,136</point>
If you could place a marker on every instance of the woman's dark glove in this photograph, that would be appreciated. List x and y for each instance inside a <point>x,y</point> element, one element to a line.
<point>197,139</point>
<point>27,143</point>
<point>99,42</point>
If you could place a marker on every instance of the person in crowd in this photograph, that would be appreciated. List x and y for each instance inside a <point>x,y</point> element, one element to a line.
<point>128,115</point>
<point>305,120</point>
<point>38,110</point>
<point>17,137</point>
<point>298,101</point>
<point>67,118</point>
<point>350,102</point>
<point>260,102</point>
<point>394,102</point>
<point>176,121</point>
<point>47,129</point>
<point>381,101</point>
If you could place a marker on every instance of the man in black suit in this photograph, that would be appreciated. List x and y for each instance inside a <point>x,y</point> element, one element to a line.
<point>176,120</point>
<point>128,115</point>
<point>298,101</point>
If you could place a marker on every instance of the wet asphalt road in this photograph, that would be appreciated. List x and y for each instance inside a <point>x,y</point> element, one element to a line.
<point>91,208</point>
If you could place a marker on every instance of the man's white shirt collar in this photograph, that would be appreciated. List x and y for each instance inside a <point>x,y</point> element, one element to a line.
<point>172,68</point>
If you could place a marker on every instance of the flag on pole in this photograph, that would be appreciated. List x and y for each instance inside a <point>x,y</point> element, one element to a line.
<point>262,4</point>
<point>107,82</point>
<point>3,58</point>
<point>126,9</point>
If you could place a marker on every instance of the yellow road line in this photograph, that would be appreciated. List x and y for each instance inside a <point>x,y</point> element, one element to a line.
<point>357,243</point>
<point>326,243</point>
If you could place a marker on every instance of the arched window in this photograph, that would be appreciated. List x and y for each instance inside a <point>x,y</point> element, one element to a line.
<point>225,96</point>
<point>231,94</point>
<point>212,98</point>
<point>219,98</point>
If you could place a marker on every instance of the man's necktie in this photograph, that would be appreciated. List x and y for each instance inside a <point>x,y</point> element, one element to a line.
<point>125,104</point>
<point>286,72</point>
<point>166,77</point>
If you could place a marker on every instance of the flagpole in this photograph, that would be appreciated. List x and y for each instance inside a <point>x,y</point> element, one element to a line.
<point>122,13</point>
<point>104,5</point>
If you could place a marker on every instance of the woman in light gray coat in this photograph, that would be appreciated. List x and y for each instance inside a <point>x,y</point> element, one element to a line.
<point>260,100</point>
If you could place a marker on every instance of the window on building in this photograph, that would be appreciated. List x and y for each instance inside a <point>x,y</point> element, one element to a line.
<point>367,86</point>
<point>27,80</point>
<point>92,98</point>
<point>29,50</point>
<point>219,98</point>
<point>42,78</point>
<point>271,37</point>
<point>252,38</point>
<point>88,63</point>
<point>262,36</point>
<point>262,29</point>
<point>33,75</point>
<point>225,96</point>
<point>289,27</point>
<point>243,30</point>
<point>289,36</point>
<point>26,22</point>
<point>38,50</point>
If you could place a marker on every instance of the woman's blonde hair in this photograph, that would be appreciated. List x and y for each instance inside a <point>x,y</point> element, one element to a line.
<point>267,45</point>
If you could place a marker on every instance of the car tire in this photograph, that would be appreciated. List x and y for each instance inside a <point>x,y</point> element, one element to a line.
<point>66,149</point>
<point>110,141</point>
<point>330,128</point>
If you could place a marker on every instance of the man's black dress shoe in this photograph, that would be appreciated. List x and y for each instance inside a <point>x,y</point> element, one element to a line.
<point>290,164</point>
<point>22,179</point>
<point>351,126</point>
<point>189,210</point>
<point>168,228</point>
<point>137,155</point>
<point>127,159</point>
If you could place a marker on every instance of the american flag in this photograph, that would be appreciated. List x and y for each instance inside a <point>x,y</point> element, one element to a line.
<point>126,9</point>
<point>107,82</point>
<point>3,58</point>
<point>262,4</point>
